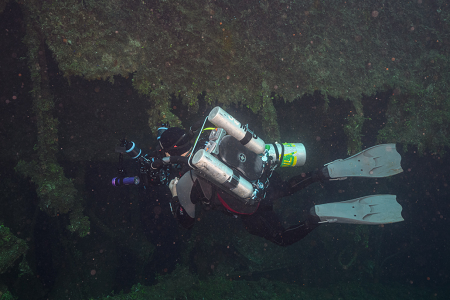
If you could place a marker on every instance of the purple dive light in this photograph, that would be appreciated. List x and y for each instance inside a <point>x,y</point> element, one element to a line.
<point>118,181</point>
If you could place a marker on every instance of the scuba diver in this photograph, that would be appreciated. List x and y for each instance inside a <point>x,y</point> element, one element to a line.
<point>232,176</point>
<point>232,170</point>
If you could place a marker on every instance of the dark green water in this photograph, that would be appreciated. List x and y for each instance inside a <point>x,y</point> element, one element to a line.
<point>136,250</point>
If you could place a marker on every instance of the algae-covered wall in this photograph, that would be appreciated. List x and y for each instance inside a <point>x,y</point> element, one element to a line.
<point>250,52</point>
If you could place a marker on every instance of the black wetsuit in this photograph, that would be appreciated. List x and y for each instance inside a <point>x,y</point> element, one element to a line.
<point>263,221</point>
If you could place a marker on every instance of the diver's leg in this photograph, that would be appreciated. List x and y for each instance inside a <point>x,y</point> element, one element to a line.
<point>301,181</point>
<point>267,225</point>
<point>297,232</point>
<point>279,188</point>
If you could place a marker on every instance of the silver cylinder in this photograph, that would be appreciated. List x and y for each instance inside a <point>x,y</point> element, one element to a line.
<point>233,127</point>
<point>294,154</point>
<point>219,173</point>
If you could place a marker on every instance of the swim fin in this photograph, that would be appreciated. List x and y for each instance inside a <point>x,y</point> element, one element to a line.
<point>371,210</point>
<point>377,161</point>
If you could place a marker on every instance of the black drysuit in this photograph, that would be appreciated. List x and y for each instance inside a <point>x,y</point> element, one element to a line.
<point>263,221</point>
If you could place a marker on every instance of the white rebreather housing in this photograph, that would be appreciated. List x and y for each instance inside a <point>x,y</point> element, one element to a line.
<point>233,127</point>
<point>219,173</point>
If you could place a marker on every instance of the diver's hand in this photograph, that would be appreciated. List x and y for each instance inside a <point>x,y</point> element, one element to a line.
<point>173,187</point>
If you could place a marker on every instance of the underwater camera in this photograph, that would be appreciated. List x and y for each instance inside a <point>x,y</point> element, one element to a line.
<point>152,170</point>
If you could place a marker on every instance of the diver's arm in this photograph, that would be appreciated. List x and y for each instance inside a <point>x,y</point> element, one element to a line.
<point>177,210</point>
<point>179,213</point>
<point>193,130</point>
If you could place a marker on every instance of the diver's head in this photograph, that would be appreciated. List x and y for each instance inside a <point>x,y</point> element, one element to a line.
<point>175,141</point>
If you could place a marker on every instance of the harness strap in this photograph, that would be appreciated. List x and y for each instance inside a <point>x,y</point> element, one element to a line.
<point>282,155</point>
<point>278,161</point>
<point>232,182</point>
<point>247,138</point>
<point>276,152</point>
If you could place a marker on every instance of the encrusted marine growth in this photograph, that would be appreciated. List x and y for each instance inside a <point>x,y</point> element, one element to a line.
<point>56,192</point>
<point>252,52</point>
<point>11,248</point>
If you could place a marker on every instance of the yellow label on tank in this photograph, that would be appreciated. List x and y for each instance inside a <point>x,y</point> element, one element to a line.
<point>289,160</point>
<point>289,144</point>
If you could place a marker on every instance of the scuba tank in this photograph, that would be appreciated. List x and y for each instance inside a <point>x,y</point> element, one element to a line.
<point>287,154</point>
